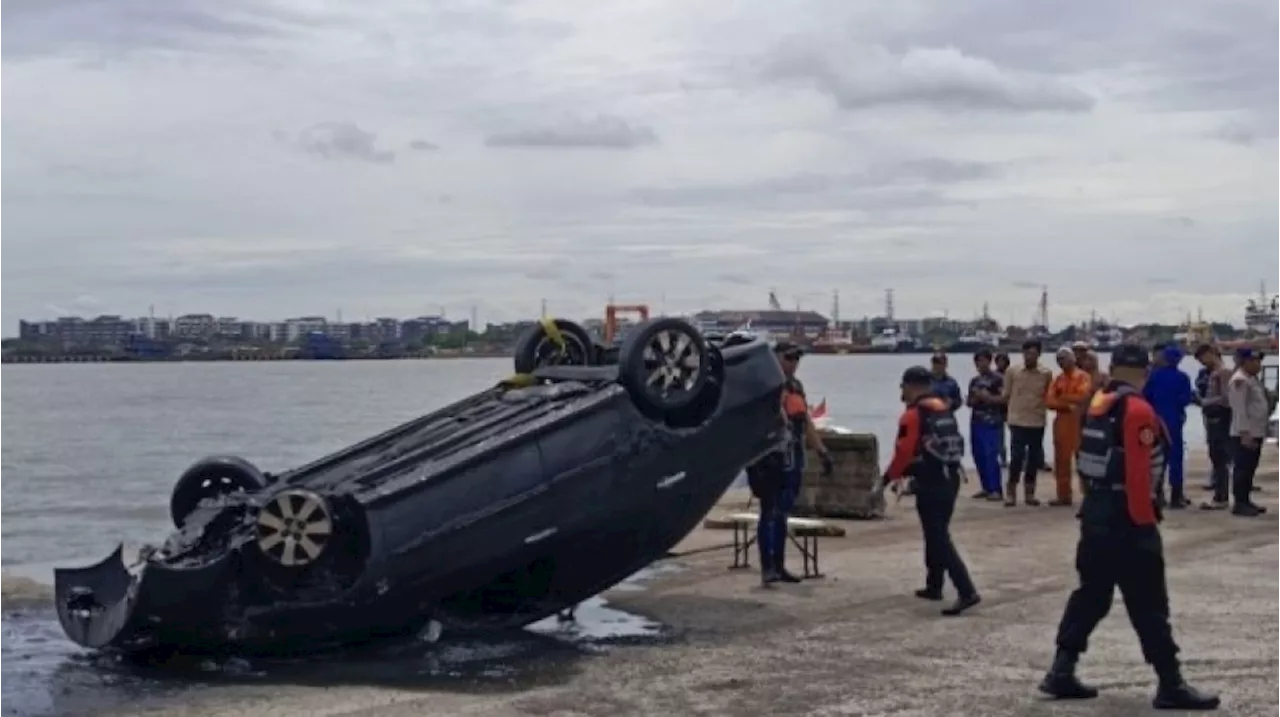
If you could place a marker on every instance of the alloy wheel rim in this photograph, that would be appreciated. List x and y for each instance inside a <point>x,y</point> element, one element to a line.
<point>673,362</point>
<point>294,528</point>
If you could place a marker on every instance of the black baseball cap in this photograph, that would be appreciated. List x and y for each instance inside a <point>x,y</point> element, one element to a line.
<point>1130,356</point>
<point>788,348</point>
<point>917,376</point>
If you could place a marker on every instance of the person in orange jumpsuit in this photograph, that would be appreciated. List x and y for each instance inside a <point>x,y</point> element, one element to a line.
<point>1066,396</point>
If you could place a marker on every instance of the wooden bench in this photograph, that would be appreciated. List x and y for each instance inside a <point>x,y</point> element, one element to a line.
<point>802,532</point>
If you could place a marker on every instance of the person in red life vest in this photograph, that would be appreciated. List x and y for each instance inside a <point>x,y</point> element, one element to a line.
<point>929,450</point>
<point>1122,457</point>
<point>775,479</point>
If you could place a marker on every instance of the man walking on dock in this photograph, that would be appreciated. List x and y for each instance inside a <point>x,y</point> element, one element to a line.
<point>930,449</point>
<point>1025,386</point>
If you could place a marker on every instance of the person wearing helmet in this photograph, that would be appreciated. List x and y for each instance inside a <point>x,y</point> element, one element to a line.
<point>930,449</point>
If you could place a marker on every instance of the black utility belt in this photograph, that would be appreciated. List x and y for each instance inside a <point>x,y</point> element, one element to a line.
<point>1105,486</point>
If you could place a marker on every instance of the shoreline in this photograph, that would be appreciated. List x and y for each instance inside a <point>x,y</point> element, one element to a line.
<point>73,359</point>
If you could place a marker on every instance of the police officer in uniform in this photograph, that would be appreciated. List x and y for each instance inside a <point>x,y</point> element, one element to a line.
<point>1122,459</point>
<point>929,449</point>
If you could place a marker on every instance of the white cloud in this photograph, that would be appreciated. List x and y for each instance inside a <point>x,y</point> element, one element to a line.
<point>276,158</point>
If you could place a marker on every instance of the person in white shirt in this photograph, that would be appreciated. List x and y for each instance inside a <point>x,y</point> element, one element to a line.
<point>1250,410</point>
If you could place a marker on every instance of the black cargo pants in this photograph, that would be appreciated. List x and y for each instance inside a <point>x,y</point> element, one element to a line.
<point>1135,564</point>
<point>935,504</point>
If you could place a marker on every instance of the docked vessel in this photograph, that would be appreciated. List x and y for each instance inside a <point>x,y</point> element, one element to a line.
<point>1262,315</point>
<point>975,341</point>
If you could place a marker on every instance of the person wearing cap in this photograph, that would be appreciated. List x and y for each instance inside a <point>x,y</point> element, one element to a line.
<point>929,448</point>
<point>1211,391</point>
<point>1066,397</point>
<point>986,425</point>
<point>775,479</point>
<point>1250,411</point>
<point>1169,391</point>
<point>1025,386</point>
<point>1122,456</point>
<point>944,386</point>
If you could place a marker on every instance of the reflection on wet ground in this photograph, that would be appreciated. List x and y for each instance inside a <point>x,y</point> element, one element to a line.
<point>44,674</point>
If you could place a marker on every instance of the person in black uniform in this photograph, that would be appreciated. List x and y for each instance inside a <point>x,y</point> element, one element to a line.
<point>775,479</point>
<point>929,449</point>
<point>1121,460</point>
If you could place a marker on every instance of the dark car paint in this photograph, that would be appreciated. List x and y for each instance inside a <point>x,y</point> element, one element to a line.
<point>529,509</point>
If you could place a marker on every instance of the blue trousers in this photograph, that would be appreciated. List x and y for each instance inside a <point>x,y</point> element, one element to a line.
<point>771,530</point>
<point>986,440</point>
<point>1177,447</point>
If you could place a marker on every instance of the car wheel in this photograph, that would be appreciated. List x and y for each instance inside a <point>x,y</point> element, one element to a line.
<point>294,527</point>
<point>666,364</point>
<point>539,347</point>
<point>211,478</point>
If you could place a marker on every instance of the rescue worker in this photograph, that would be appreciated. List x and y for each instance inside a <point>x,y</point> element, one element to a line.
<point>986,425</point>
<point>776,478</point>
<point>1122,455</point>
<point>1168,390</point>
<point>1067,395</point>
<point>944,386</point>
<point>929,449</point>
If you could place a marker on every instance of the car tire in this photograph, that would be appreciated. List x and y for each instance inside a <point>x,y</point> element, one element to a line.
<point>665,365</point>
<point>535,348</point>
<point>210,478</point>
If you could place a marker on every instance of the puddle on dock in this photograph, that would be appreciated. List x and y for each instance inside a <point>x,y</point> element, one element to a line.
<point>43,674</point>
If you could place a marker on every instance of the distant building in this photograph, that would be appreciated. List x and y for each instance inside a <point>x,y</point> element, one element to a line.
<point>809,324</point>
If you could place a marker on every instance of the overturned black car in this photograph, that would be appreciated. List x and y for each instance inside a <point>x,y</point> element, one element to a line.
<point>497,511</point>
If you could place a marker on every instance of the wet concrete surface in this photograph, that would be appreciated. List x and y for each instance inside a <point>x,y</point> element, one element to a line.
<point>712,642</point>
<point>45,675</point>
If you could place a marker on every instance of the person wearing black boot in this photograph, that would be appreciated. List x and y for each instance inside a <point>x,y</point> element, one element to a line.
<point>779,474</point>
<point>929,449</point>
<point>1122,456</point>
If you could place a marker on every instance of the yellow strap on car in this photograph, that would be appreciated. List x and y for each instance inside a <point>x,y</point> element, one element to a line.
<point>553,332</point>
<point>518,380</point>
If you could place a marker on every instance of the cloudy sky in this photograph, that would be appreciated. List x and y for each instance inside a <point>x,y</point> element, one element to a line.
<point>268,159</point>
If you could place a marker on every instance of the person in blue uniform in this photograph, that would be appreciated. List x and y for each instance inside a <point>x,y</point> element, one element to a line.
<point>929,449</point>
<point>1121,459</point>
<point>1169,392</point>
<point>986,425</point>
<point>775,479</point>
<point>944,386</point>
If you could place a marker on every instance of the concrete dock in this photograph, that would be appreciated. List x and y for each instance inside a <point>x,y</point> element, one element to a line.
<point>858,643</point>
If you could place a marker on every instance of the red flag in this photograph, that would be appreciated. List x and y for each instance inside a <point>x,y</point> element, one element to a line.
<point>820,410</point>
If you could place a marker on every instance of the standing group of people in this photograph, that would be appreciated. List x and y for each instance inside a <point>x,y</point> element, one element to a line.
<point>1120,433</point>
<point>1123,448</point>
